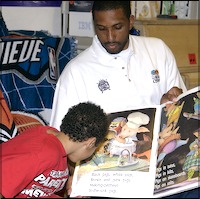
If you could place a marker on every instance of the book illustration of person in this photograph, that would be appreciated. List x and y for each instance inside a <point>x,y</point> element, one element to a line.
<point>196,108</point>
<point>192,162</point>
<point>169,140</point>
<point>142,150</point>
<point>126,137</point>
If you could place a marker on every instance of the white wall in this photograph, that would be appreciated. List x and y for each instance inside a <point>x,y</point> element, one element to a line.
<point>33,18</point>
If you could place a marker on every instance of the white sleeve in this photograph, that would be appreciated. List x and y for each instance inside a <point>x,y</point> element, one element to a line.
<point>174,76</point>
<point>168,68</point>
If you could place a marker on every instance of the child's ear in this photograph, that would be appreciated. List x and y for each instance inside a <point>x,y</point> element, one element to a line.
<point>91,142</point>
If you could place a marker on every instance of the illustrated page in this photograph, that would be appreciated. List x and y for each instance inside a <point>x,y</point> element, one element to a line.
<point>122,164</point>
<point>178,157</point>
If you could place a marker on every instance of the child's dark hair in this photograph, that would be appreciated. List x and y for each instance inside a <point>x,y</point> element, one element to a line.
<point>112,5</point>
<point>85,120</point>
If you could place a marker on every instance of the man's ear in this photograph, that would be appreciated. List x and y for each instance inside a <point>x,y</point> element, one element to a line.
<point>91,142</point>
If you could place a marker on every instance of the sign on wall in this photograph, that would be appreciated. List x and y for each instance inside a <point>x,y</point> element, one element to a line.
<point>80,18</point>
<point>80,24</point>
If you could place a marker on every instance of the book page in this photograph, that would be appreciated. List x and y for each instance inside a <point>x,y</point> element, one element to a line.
<point>124,165</point>
<point>178,157</point>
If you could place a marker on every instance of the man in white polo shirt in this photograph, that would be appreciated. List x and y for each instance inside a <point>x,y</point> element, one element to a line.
<point>118,71</point>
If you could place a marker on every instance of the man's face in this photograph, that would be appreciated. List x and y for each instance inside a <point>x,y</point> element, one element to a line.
<point>112,28</point>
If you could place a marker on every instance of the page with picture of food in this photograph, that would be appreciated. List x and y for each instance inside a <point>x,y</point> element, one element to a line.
<point>124,165</point>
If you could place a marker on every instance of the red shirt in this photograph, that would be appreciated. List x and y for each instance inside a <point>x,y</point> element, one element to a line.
<point>33,164</point>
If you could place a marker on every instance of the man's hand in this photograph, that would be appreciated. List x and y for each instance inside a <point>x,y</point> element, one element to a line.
<point>171,95</point>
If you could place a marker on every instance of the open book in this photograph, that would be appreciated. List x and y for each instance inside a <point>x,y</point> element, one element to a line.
<point>148,153</point>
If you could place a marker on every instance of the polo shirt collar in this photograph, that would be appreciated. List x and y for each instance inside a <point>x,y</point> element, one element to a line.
<point>101,52</point>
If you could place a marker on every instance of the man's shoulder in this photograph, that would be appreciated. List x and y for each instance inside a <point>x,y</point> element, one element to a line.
<point>145,39</point>
<point>81,60</point>
<point>147,42</point>
<point>82,56</point>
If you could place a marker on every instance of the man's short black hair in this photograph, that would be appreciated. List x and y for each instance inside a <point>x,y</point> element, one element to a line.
<point>112,5</point>
<point>85,120</point>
